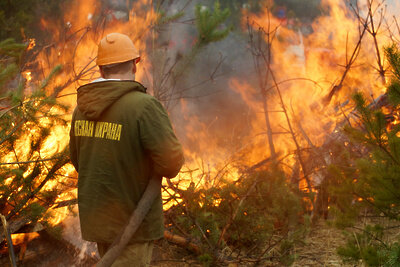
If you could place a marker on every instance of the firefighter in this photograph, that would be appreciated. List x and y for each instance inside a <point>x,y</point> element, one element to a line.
<point>120,136</point>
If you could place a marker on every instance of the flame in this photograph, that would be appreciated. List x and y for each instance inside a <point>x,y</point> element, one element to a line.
<point>79,55</point>
<point>27,75</point>
<point>21,238</point>
<point>32,44</point>
<point>75,47</point>
<point>306,68</point>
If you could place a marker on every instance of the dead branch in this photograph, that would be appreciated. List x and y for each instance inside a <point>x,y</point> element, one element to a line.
<point>182,242</point>
<point>374,31</point>
<point>258,53</point>
<point>397,24</point>
<point>257,165</point>
<point>185,234</point>
<point>65,203</point>
<point>265,55</point>
<point>28,162</point>
<point>349,63</point>
<point>87,29</point>
<point>291,130</point>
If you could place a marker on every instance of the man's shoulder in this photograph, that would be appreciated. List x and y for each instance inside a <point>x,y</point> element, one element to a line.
<point>138,103</point>
<point>140,98</point>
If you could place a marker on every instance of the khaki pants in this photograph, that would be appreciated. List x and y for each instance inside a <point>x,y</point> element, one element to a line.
<point>135,255</point>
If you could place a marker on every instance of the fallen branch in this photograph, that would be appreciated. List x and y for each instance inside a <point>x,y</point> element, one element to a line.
<point>182,242</point>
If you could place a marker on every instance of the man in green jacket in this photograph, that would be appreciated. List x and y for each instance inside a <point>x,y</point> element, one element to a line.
<point>120,137</point>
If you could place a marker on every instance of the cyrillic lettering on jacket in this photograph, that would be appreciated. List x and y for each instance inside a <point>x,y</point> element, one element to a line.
<point>100,129</point>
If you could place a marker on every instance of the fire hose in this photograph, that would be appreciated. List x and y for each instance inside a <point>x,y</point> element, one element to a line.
<point>9,241</point>
<point>150,194</point>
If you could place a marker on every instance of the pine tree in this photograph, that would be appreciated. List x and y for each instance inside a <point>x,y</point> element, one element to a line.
<point>371,181</point>
<point>210,25</point>
<point>27,117</point>
<point>20,20</point>
<point>254,215</point>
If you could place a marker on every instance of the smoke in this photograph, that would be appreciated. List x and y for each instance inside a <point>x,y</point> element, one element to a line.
<point>392,8</point>
<point>72,234</point>
<point>212,119</point>
<point>208,116</point>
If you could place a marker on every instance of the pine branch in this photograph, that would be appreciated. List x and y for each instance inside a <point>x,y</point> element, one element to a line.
<point>29,161</point>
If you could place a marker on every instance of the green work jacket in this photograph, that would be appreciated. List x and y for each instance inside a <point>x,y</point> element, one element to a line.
<point>119,137</point>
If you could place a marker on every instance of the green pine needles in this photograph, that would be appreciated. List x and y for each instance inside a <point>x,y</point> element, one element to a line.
<point>211,27</point>
<point>393,56</point>
<point>368,170</point>
<point>259,217</point>
<point>210,24</point>
<point>27,119</point>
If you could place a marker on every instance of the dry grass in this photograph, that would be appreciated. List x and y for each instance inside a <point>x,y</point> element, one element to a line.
<point>319,248</point>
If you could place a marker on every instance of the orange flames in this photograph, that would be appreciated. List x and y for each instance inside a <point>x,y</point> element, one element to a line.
<point>75,48</point>
<point>306,67</point>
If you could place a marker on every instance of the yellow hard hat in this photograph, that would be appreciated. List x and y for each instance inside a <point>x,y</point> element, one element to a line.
<point>116,48</point>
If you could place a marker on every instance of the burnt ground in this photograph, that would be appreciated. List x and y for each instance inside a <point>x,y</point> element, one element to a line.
<point>318,249</point>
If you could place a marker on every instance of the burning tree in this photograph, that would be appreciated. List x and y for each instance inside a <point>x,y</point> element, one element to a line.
<point>365,177</point>
<point>32,159</point>
<point>358,169</point>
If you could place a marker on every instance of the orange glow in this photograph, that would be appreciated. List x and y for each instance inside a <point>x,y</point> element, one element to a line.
<point>28,75</point>
<point>306,68</point>
<point>77,55</point>
<point>19,239</point>
<point>31,45</point>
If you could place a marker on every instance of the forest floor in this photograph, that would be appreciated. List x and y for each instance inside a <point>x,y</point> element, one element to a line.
<point>317,249</point>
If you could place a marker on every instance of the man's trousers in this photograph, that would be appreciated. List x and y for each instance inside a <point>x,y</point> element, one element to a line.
<point>137,254</point>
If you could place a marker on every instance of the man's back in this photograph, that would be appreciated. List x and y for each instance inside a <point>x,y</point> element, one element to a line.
<point>119,137</point>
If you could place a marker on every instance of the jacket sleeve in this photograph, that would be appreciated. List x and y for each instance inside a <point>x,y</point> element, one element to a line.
<point>158,138</point>
<point>72,144</point>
